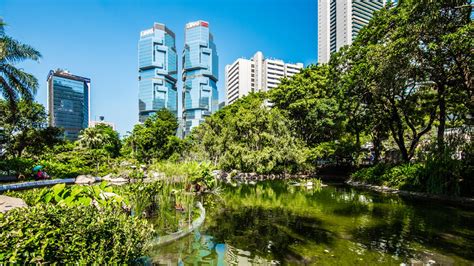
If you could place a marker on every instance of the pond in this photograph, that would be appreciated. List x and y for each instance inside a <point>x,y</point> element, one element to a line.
<point>276,223</point>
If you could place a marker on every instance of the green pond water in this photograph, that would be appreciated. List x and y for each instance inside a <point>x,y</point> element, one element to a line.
<point>274,223</point>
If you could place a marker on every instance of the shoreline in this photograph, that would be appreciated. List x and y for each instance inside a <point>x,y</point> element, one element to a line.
<point>458,201</point>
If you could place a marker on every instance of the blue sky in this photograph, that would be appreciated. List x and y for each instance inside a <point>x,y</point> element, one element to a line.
<point>98,39</point>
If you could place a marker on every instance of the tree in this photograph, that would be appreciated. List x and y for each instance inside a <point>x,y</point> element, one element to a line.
<point>310,102</point>
<point>13,81</point>
<point>406,71</point>
<point>155,138</point>
<point>441,48</point>
<point>92,138</point>
<point>26,129</point>
<point>101,136</point>
<point>113,143</point>
<point>249,136</point>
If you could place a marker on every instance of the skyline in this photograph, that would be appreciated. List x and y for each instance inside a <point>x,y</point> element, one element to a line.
<point>97,43</point>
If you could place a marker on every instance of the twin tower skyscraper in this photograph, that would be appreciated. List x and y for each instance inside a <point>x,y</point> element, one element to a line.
<point>158,73</point>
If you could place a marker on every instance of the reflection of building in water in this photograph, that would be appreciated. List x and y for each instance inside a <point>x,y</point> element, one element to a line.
<point>198,249</point>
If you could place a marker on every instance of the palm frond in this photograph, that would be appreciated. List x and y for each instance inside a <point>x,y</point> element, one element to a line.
<point>26,84</point>
<point>14,51</point>
<point>2,27</point>
<point>8,93</point>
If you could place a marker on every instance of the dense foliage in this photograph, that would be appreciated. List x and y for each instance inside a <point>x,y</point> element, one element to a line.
<point>71,234</point>
<point>405,74</point>
<point>398,95</point>
<point>95,224</point>
<point>73,224</point>
<point>154,139</point>
<point>25,129</point>
<point>102,137</point>
<point>311,103</point>
<point>249,136</point>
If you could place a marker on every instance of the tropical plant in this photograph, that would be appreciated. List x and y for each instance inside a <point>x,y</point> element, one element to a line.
<point>79,195</point>
<point>14,82</point>
<point>92,138</point>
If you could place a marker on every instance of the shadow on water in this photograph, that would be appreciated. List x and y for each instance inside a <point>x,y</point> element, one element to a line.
<point>269,233</point>
<point>275,222</point>
<point>402,229</point>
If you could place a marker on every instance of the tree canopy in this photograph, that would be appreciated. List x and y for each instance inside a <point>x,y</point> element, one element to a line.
<point>155,138</point>
<point>26,129</point>
<point>249,136</point>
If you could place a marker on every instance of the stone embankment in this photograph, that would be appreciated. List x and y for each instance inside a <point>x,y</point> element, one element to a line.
<point>238,176</point>
<point>461,201</point>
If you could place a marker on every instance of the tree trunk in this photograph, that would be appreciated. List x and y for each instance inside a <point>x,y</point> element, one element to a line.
<point>377,147</point>
<point>442,116</point>
<point>398,133</point>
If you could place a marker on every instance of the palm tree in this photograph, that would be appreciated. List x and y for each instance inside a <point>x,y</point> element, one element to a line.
<point>14,82</point>
<point>92,138</point>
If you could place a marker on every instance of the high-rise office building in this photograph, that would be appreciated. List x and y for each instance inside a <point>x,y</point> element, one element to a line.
<point>339,22</point>
<point>158,70</point>
<point>256,74</point>
<point>200,74</point>
<point>68,102</point>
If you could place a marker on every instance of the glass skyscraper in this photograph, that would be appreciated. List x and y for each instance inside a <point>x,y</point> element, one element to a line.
<point>158,70</point>
<point>200,74</point>
<point>68,102</point>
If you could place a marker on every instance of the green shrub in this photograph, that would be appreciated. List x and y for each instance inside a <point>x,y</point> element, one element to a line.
<point>48,233</point>
<point>203,176</point>
<point>17,166</point>
<point>442,175</point>
<point>405,176</point>
<point>438,175</point>
<point>372,175</point>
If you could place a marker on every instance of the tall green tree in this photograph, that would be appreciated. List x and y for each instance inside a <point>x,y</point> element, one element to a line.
<point>155,138</point>
<point>441,46</point>
<point>26,129</point>
<point>113,143</point>
<point>92,138</point>
<point>249,136</point>
<point>407,72</point>
<point>14,82</point>
<point>310,102</point>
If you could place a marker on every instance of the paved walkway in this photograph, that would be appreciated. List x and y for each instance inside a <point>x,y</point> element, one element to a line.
<point>37,184</point>
<point>8,203</point>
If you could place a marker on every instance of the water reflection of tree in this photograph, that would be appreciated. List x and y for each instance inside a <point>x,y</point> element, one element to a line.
<point>269,221</point>
<point>403,228</point>
<point>269,233</point>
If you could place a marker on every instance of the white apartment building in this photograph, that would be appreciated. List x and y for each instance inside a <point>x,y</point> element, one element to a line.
<point>101,121</point>
<point>256,74</point>
<point>339,22</point>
